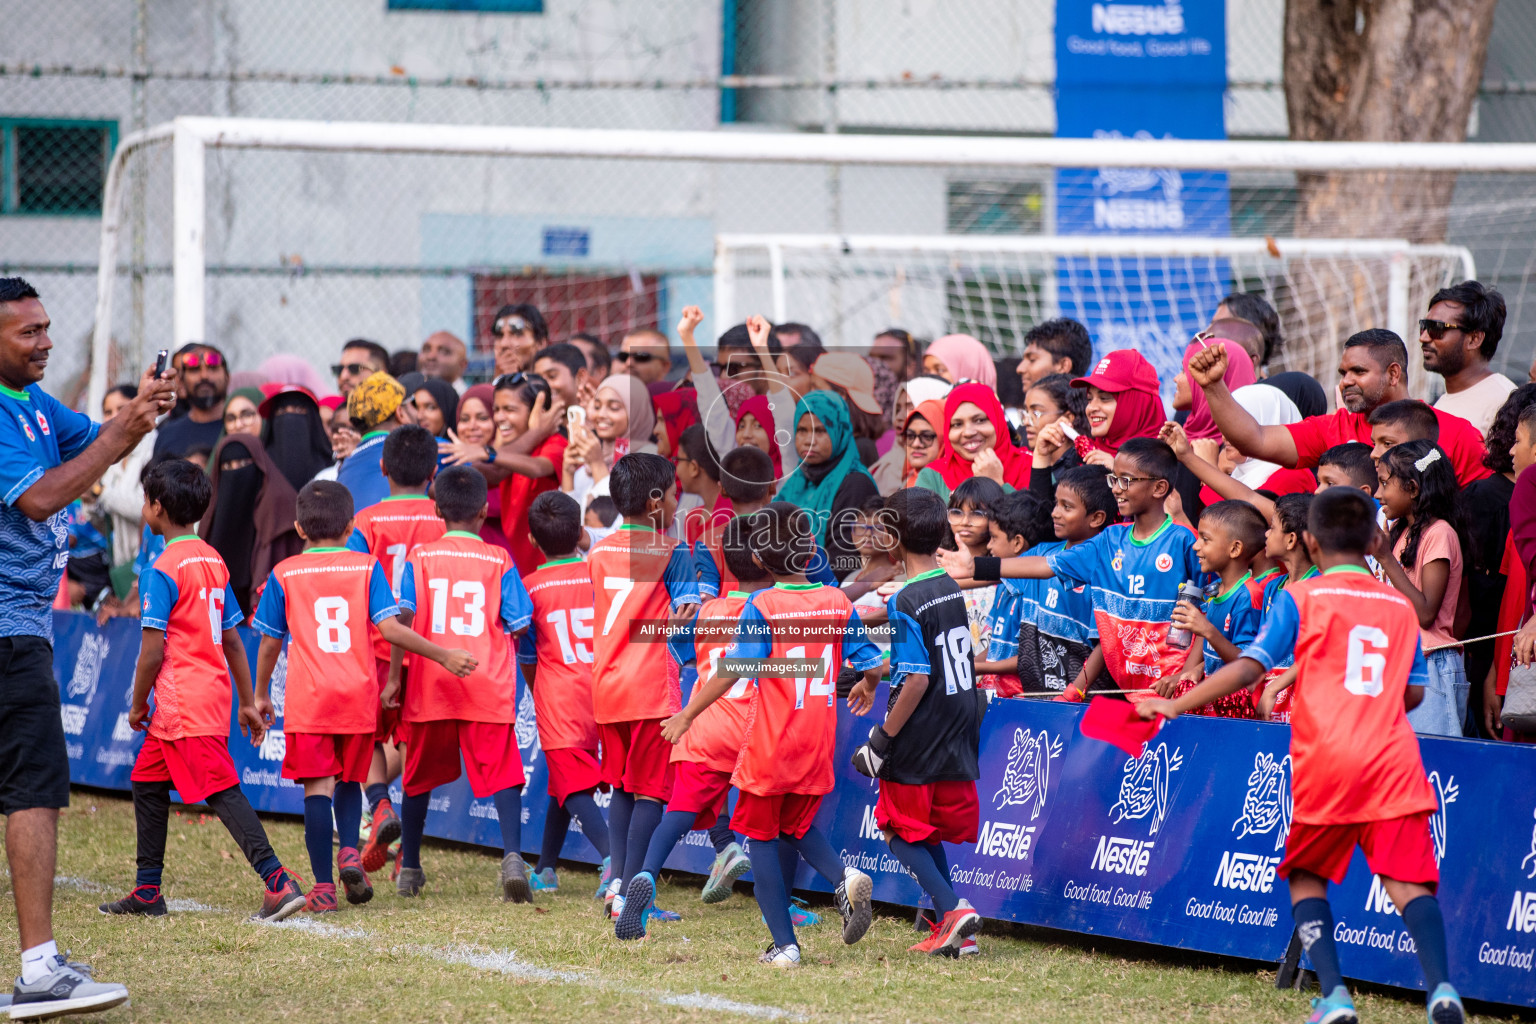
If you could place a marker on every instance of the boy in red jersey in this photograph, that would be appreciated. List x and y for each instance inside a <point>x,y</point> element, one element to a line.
<point>707,737</point>
<point>191,650</point>
<point>1358,776</point>
<point>642,583</point>
<point>390,531</point>
<point>785,766</point>
<point>556,658</point>
<point>312,600</point>
<point>462,588</point>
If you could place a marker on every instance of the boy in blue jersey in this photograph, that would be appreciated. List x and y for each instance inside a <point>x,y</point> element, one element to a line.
<point>1231,533</point>
<point>1049,627</point>
<point>1132,570</point>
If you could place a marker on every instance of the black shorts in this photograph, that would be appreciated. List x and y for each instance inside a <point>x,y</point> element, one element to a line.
<point>34,766</point>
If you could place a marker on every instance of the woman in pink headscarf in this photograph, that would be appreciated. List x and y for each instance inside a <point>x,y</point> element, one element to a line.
<point>957,357</point>
<point>620,419</point>
<point>291,369</point>
<point>1200,423</point>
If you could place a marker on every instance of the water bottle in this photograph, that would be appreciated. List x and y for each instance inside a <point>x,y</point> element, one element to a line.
<point>1178,637</point>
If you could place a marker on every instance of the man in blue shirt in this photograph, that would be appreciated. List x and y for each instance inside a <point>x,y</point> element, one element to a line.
<point>49,456</point>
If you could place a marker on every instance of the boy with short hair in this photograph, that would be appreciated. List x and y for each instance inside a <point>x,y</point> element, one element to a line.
<point>329,722</point>
<point>1399,422</point>
<point>1347,465</point>
<point>707,737</point>
<point>1230,534</point>
<point>190,653</point>
<point>1132,570</point>
<point>471,592</point>
<point>642,581</point>
<point>926,752</point>
<point>1358,777</point>
<point>390,531</point>
<point>785,766</point>
<point>1050,627</point>
<point>556,659</point>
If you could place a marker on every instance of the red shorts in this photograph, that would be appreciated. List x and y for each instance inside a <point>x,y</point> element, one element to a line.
<point>1002,686</point>
<point>387,723</point>
<point>313,755</point>
<point>571,771</point>
<point>768,817</point>
<point>636,759</point>
<point>946,811</point>
<point>491,758</point>
<point>701,790</point>
<point>196,766</point>
<point>1398,848</point>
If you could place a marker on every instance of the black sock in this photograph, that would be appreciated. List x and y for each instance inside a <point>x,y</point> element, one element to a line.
<point>1427,927</point>
<point>593,825</point>
<point>237,814</point>
<point>720,834</point>
<point>642,824</point>
<point>413,822</point>
<point>1314,926</point>
<point>557,821</point>
<point>347,805</point>
<point>376,791</point>
<point>509,812</point>
<point>620,808</point>
<point>151,815</point>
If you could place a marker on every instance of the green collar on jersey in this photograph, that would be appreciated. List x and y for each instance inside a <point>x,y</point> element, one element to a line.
<point>1344,568</point>
<point>561,561</point>
<point>405,497</point>
<point>797,586</point>
<point>930,574</point>
<point>1222,597</point>
<point>740,593</point>
<point>1167,522</point>
<point>1312,570</point>
<point>462,533</point>
<point>184,536</point>
<point>1266,574</point>
<point>323,551</point>
<point>638,526</point>
<point>373,434</point>
<point>20,396</point>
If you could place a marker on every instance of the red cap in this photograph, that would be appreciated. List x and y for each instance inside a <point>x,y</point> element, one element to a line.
<point>332,402</point>
<point>1121,370</point>
<point>287,389</point>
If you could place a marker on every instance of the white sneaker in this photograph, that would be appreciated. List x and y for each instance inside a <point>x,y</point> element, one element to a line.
<point>852,896</point>
<point>781,956</point>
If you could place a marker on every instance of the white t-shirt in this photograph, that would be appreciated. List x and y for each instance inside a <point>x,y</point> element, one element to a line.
<point>1480,402</point>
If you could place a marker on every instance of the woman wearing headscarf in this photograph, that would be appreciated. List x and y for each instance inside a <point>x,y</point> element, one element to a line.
<point>250,519</point>
<point>1307,394</point>
<point>676,411</point>
<point>1123,403</point>
<point>290,369</point>
<point>620,419</point>
<point>830,482</point>
<point>754,428</point>
<point>293,435</point>
<point>957,357</point>
<point>1201,424</point>
<point>974,441</point>
<point>436,405</point>
<point>242,412</point>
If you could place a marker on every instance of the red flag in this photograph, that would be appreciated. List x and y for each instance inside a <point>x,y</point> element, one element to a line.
<point>1116,722</point>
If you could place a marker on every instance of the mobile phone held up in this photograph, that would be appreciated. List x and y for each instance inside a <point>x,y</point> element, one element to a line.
<point>574,415</point>
<point>162,362</point>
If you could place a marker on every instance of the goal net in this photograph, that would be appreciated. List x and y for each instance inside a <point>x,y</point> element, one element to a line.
<point>270,237</point>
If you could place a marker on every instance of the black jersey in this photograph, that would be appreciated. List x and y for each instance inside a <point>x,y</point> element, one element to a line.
<point>932,635</point>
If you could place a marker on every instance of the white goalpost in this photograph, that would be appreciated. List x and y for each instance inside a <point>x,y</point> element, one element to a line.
<point>693,192</point>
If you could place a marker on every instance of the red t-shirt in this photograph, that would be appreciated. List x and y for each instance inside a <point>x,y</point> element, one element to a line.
<point>518,492</point>
<point>559,641</point>
<point>1281,482</point>
<point>466,595</point>
<point>1462,442</point>
<point>390,531</point>
<point>325,601</point>
<point>715,737</point>
<point>186,593</point>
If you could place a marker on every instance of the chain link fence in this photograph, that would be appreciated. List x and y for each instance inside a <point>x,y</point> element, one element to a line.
<point>306,250</point>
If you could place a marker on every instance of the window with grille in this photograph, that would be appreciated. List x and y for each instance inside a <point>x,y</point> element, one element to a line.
<point>54,168</point>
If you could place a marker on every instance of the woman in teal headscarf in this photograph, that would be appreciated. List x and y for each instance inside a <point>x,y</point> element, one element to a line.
<point>830,482</point>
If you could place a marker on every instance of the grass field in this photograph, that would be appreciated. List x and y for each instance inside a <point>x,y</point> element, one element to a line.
<point>458,954</point>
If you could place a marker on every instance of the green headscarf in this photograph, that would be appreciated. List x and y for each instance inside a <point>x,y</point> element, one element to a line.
<point>254,395</point>
<point>814,487</point>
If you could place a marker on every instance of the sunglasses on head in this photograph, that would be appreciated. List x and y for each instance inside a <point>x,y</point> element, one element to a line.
<point>352,368</point>
<point>1436,328</point>
<point>192,360</point>
<point>638,358</point>
<point>510,325</point>
<point>518,379</point>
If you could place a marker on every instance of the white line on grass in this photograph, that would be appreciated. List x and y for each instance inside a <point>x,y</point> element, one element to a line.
<point>182,906</point>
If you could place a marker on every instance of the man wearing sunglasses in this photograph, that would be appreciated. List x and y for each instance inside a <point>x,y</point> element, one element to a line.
<point>444,356</point>
<point>1459,336</point>
<point>360,359</point>
<point>644,354</point>
<point>202,374</point>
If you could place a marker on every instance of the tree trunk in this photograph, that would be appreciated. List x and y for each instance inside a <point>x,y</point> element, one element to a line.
<point>1372,71</point>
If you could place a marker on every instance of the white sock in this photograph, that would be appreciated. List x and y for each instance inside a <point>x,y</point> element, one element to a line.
<point>37,962</point>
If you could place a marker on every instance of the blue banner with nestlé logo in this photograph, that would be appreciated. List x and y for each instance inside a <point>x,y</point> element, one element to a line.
<point>1139,71</point>
<point>1177,847</point>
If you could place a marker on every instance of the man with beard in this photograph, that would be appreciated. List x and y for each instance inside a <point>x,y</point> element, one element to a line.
<point>1373,370</point>
<point>204,375</point>
<point>1459,336</point>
